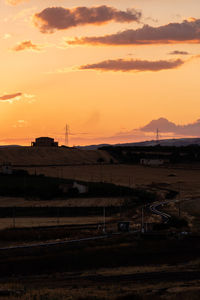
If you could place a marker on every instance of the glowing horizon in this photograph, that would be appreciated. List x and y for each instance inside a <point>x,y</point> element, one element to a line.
<point>145,66</point>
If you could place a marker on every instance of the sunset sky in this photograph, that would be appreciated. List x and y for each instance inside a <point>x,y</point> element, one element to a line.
<point>106,68</point>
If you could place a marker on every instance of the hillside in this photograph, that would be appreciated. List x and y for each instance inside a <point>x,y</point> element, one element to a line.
<point>51,156</point>
<point>164,142</point>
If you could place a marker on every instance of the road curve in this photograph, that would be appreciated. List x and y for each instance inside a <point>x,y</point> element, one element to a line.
<point>154,208</point>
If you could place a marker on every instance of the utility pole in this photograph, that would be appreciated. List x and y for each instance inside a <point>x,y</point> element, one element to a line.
<point>58,215</point>
<point>179,203</point>
<point>13,217</point>
<point>104,219</point>
<point>142,220</point>
<point>67,135</point>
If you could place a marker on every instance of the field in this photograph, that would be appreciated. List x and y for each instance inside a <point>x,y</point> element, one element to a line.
<point>118,268</point>
<point>51,156</point>
<point>54,221</point>
<point>83,202</point>
<point>184,180</point>
<point>125,266</point>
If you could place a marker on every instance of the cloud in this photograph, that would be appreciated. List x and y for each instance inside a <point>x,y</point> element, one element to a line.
<point>9,97</point>
<point>20,124</point>
<point>177,52</point>
<point>26,45</point>
<point>15,2</point>
<point>165,126</point>
<point>57,18</point>
<point>17,96</point>
<point>127,65</point>
<point>172,33</point>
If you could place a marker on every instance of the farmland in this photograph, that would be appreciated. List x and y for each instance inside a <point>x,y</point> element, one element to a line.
<point>114,267</point>
<point>181,178</point>
<point>109,269</point>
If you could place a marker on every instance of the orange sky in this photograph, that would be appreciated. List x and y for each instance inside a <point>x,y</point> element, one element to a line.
<point>43,71</point>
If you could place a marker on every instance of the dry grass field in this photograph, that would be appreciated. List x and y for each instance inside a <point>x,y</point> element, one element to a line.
<point>184,180</point>
<point>21,202</point>
<point>147,277</point>
<point>122,269</point>
<point>120,291</point>
<point>51,155</point>
<point>54,221</point>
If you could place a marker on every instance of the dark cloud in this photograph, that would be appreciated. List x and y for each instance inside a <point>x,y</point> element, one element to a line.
<point>163,124</point>
<point>10,96</point>
<point>177,52</point>
<point>166,126</point>
<point>127,65</point>
<point>53,18</point>
<point>26,45</point>
<point>185,32</point>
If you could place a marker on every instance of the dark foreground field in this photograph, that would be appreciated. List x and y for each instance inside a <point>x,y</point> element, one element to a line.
<point>120,267</point>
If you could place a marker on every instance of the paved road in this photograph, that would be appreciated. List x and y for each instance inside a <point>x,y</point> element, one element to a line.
<point>155,209</point>
<point>54,243</point>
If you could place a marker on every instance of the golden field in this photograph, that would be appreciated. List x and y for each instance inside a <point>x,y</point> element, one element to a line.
<point>51,155</point>
<point>184,180</point>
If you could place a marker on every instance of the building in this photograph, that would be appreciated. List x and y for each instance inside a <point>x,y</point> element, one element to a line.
<point>152,162</point>
<point>44,142</point>
<point>82,189</point>
<point>73,186</point>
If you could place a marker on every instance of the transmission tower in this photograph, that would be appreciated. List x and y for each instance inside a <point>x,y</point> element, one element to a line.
<point>67,135</point>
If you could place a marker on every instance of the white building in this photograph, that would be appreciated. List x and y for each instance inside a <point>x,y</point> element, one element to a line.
<point>151,162</point>
<point>80,187</point>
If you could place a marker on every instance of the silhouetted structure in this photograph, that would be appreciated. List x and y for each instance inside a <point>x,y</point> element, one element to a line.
<point>67,135</point>
<point>44,142</point>
<point>153,162</point>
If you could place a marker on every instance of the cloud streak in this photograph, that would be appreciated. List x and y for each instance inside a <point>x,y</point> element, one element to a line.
<point>127,65</point>
<point>26,45</point>
<point>59,18</point>
<point>9,97</point>
<point>17,96</point>
<point>172,33</point>
<point>177,52</point>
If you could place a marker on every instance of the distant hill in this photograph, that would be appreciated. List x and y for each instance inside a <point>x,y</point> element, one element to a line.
<point>165,142</point>
<point>51,156</point>
<point>9,146</point>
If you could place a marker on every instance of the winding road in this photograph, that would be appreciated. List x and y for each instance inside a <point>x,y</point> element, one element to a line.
<point>154,208</point>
